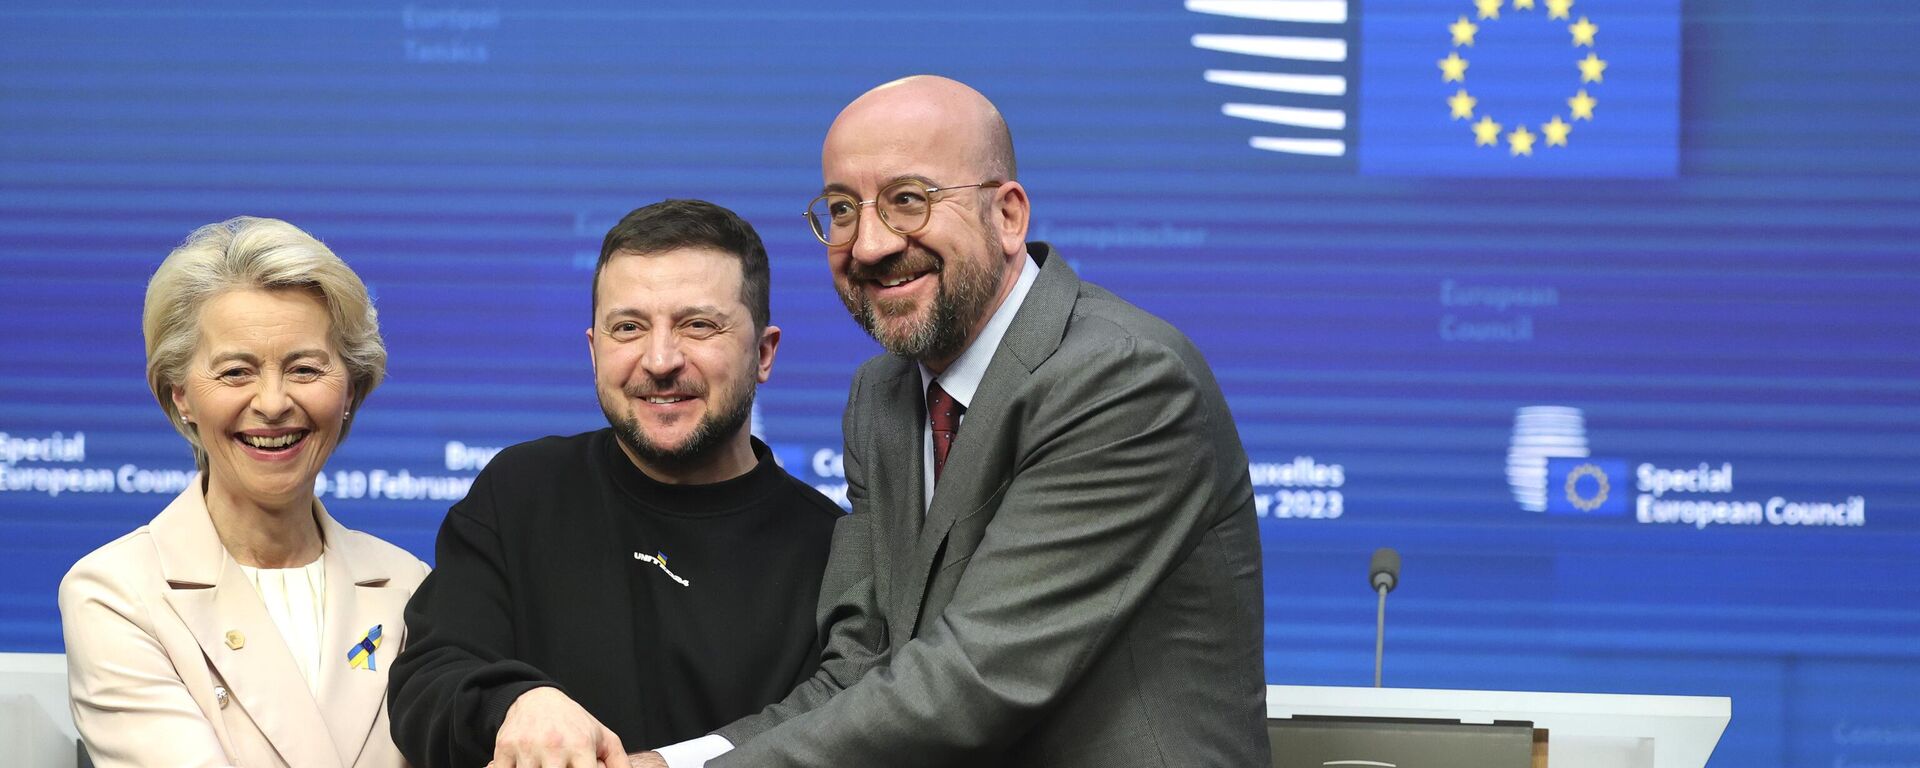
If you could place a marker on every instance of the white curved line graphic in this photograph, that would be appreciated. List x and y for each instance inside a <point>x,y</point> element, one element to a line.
<point>1276,46</point>
<point>1305,11</point>
<point>1303,117</point>
<point>1316,147</point>
<point>1318,85</point>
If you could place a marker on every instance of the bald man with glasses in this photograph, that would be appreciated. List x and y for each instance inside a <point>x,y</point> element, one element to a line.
<point>1052,558</point>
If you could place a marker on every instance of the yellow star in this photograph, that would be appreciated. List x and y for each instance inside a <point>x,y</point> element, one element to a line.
<point>1523,5</point>
<point>1583,32</point>
<point>1556,131</point>
<point>1462,104</point>
<point>1463,31</point>
<point>1453,69</point>
<point>1582,105</point>
<point>1489,9</point>
<point>1522,141</point>
<point>1557,9</point>
<point>1590,68</point>
<point>1486,133</point>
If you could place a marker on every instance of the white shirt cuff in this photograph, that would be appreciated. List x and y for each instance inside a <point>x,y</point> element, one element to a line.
<point>694,753</point>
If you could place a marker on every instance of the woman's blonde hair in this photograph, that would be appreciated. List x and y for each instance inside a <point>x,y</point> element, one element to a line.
<point>249,253</point>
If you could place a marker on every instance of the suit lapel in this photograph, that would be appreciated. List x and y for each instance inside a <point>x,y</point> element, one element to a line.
<point>1041,323</point>
<point>898,408</point>
<point>1030,339</point>
<point>358,599</point>
<point>213,597</point>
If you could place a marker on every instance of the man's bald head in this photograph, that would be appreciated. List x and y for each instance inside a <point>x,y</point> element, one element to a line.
<point>939,112</point>
<point>925,291</point>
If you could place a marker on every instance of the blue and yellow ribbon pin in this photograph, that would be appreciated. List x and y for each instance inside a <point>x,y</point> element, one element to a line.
<point>360,656</point>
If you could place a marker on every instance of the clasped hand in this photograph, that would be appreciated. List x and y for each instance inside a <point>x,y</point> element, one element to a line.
<point>546,729</point>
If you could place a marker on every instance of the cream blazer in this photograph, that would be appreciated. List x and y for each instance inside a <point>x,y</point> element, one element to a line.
<point>172,659</point>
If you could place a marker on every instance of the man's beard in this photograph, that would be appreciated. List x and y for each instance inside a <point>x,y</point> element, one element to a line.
<point>958,305</point>
<point>718,425</point>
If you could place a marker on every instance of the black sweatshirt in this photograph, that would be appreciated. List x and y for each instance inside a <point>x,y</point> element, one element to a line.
<point>666,611</point>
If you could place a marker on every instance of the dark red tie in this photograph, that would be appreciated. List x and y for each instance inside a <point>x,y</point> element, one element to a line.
<point>943,413</point>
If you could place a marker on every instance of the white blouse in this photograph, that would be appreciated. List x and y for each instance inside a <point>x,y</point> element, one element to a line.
<point>296,598</point>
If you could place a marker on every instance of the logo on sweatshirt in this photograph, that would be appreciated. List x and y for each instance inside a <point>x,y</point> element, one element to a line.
<point>660,559</point>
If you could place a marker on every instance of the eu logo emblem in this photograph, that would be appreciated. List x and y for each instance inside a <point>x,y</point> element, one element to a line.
<point>1517,88</point>
<point>1587,486</point>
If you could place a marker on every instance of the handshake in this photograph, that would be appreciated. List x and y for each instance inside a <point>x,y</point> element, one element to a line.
<point>545,729</point>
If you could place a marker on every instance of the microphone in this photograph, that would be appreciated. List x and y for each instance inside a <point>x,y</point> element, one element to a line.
<point>1384,575</point>
<point>1385,571</point>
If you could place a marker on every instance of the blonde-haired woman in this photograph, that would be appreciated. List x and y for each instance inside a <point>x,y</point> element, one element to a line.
<point>243,626</point>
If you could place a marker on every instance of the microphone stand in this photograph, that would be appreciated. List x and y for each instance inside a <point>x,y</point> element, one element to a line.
<point>1383,575</point>
<point>1379,635</point>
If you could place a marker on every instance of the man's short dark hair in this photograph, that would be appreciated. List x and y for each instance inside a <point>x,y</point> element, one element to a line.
<point>672,224</point>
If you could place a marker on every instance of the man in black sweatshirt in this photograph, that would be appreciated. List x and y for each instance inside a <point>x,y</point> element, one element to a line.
<point>638,585</point>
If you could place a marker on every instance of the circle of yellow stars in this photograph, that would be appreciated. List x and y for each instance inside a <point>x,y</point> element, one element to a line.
<point>1520,141</point>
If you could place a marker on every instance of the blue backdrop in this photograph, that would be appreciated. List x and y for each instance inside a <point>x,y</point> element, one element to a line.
<point>1602,312</point>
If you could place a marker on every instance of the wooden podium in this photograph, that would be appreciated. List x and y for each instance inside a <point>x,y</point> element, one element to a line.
<point>1317,726</point>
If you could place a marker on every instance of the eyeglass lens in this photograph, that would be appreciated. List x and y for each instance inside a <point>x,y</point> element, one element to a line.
<point>903,208</point>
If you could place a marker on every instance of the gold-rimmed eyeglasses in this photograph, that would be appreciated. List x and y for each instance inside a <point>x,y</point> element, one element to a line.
<point>904,207</point>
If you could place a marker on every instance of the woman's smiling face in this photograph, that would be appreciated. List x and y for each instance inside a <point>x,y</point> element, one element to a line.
<point>267,393</point>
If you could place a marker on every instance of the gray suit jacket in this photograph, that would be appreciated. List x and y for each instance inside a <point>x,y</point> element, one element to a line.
<point>1084,589</point>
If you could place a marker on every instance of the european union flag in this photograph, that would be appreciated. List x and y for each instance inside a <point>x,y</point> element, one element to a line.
<point>1588,487</point>
<point>1555,88</point>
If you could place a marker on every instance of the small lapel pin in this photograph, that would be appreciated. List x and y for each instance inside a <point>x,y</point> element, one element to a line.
<point>360,656</point>
<point>235,640</point>
<point>220,695</point>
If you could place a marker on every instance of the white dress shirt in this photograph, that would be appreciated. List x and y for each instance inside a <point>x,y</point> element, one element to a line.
<point>296,598</point>
<point>962,378</point>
